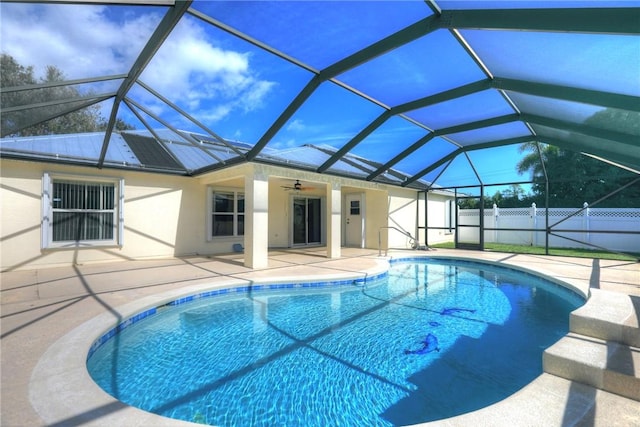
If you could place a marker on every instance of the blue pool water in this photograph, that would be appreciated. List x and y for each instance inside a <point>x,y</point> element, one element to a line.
<point>431,340</point>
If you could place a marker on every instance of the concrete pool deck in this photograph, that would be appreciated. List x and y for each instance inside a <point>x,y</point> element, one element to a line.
<point>49,315</point>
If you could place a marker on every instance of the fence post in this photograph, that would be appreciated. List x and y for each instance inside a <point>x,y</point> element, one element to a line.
<point>533,224</point>
<point>495,223</point>
<point>585,222</point>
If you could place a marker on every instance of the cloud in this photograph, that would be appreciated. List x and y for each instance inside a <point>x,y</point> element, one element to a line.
<point>79,40</point>
<point>191,69</point>
<point>211,82</point>
<point>284,144</point>
<point>296,126</point>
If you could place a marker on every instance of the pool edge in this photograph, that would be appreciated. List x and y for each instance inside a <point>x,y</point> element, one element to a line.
<point>60,388</point>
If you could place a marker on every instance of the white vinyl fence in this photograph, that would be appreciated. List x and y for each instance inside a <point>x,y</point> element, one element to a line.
<point>590,219</point>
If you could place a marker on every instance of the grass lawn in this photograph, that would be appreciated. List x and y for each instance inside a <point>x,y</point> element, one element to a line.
<point>539,250</point>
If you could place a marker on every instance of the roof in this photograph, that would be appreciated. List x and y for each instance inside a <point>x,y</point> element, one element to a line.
<point>159,151</point>
<point>359,89</point>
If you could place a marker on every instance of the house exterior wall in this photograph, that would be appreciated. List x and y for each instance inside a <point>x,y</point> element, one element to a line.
<point>20,195</point>
<point>167,216</point>
<point>280,200</point>
<point>279,216</point>
<point>437,212</point>
<point>164,216</point>
<point>403,206</point>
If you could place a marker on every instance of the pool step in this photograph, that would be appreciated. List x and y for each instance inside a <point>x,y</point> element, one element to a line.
<point>606,365</point>
<point>610,316</point>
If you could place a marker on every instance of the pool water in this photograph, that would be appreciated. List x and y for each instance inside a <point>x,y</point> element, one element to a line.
<point>347,355</point>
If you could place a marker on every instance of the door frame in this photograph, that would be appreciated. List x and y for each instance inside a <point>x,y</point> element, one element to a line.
<point>322,223</point>
<point>345,210</point>
<point>479,245</point>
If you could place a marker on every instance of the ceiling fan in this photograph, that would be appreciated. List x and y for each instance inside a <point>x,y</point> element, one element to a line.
<point>297,186</point>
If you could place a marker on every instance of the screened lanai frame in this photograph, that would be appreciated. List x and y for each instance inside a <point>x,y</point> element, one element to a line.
<point>550,229</point>
<point>499,88</point>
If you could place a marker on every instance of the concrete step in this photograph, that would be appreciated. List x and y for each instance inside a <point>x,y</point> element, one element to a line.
<point>610,316</point>
<point>606,365</point>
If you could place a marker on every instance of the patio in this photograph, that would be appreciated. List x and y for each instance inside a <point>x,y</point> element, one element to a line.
<point>39,307</point>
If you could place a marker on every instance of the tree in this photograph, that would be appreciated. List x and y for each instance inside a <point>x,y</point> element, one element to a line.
<point>496,199</point>
<point>575,178</point>
<point>512,197</point>
<point>88,119</point>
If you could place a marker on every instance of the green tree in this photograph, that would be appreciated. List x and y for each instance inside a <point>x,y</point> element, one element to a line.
<point>618,120</point>
<point>46,116</point>
<point>575,178</point>
<point>512,197</point>
<point>497,199</point>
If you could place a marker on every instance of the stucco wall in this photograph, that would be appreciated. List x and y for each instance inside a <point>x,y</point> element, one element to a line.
<point>436,211</point>
<point>20,195</point>
<point>278,216</point>
<point>402,215</point>
<point>280,200</point>
<point>167,215</point>
<point>164,216</point>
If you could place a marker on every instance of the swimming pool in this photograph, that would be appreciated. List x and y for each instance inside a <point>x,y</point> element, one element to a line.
<point>430,340</point>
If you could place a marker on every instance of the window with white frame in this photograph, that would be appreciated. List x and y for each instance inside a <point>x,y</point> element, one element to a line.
<point>80,211</point>
<point>227,213</point>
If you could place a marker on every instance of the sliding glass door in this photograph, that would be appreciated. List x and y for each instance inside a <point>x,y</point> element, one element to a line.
<point>307,221</point>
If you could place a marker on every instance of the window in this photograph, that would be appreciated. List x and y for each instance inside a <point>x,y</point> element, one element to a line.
<point>79,211</point>
<point>355,207</point>
<point>227,214</point>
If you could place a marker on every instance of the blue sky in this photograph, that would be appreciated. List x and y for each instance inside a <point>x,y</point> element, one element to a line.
<point>238,90</point>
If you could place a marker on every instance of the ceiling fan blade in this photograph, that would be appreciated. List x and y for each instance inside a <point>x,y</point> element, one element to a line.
<point>297,186</point>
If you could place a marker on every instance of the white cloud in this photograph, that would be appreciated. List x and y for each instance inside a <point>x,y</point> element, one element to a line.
<point>213,82</point>
<point>206,80</point>
<point>296,126</point>
<point>79,40</point>
<point>282,145</point>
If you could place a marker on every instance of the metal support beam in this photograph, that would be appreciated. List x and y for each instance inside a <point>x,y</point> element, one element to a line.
<point>616,191</point>
<point>60,83</point>
<point>451,156</point>
<point>391,42</point>
<point>538,19</point>
<point>284,117</point>
<point>187,138</point>
<point>83,100</point>
<point>623,154</point>
<point>447,95</point>
<point>546,198</point>
<point>611,135</point>
<point>156,136</point>
<point>473,168</point>
<point>168,23</point>
<point>351,163</point>
<point>224,27</point>
<point>190,118</point>
<point>494,121</point>
<point>421,103</point>
<point>584,20</point>
<point>585,96</point>
<point>355,141</point>
<point>444,131</point>
<point>395,40</point>
<point>87,103</point>
<point>407,152</point>
<point>102,2</point>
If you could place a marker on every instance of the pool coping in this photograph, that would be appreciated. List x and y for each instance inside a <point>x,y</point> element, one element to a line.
<point>61,389</point>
